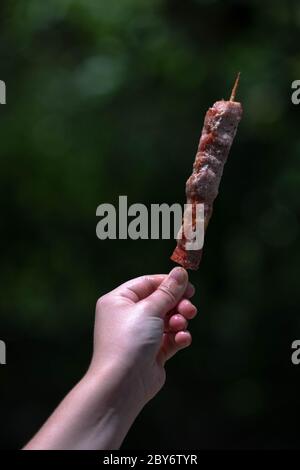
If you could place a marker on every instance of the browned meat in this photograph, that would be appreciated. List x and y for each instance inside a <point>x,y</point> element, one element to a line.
<point>220,126</point>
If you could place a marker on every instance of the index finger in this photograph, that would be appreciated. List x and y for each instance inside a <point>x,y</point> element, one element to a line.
<point>141,287</point>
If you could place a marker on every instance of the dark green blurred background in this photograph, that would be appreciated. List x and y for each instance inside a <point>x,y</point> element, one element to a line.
<point>106,98</point>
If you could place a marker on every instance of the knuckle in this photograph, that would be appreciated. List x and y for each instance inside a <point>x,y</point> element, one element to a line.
<point>101,302</point>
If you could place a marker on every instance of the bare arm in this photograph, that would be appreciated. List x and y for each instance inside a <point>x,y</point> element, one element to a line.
<point>138,327</point>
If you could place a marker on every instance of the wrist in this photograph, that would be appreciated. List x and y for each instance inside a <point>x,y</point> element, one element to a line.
<point>124,379</point>
<point>114,401</point>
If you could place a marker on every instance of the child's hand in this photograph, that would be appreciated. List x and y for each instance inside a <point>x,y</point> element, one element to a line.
<point>139,326</point>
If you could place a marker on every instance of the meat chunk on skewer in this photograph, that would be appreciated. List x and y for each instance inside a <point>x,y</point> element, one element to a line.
<point>220,126</point>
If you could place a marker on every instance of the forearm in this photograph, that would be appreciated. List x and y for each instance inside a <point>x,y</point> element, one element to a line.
<point>133,339</point>
<point>96,414</point>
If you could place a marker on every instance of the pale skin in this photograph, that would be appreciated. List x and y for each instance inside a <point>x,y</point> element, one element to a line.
<point>139,326</point>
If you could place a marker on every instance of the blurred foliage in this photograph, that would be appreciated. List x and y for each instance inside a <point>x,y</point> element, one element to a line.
<point>106,98</point>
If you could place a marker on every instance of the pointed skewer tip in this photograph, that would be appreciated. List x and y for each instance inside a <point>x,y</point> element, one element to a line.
<point>236,83</point>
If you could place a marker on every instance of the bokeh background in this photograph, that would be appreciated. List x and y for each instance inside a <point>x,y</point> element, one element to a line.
<point>107,98</point>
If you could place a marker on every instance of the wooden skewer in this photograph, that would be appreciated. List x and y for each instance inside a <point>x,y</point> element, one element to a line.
<point>232,97</point>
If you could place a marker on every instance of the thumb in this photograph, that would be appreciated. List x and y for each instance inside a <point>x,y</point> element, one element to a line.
<point>168,293</point>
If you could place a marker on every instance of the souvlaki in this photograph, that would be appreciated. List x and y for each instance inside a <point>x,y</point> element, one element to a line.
<point>220,126</point>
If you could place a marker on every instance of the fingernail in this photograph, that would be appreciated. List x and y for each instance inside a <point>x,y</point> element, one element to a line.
<point>179,274</point>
